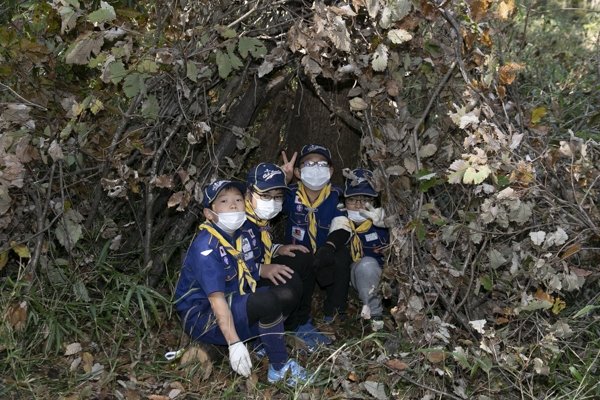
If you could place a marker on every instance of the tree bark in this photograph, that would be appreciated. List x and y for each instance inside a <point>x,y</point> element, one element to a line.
<point>312,122</point>
<point>269,131</point>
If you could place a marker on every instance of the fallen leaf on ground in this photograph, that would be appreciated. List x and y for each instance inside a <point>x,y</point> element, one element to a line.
<point>396,364</point>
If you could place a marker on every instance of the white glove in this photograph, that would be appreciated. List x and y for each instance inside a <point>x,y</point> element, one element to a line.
<point>239,358</point>
<point>377,215</point>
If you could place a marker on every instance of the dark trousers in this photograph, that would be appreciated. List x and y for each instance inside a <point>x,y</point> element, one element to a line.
<point>337,291</point>
<point>302,266</point>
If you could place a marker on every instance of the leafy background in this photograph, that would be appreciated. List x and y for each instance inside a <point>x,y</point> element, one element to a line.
<point>479,120</point>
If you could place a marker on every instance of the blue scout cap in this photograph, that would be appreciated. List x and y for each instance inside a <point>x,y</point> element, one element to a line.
<point>266,176</point>
<point>315,148</point>
<point>212,191</point>
<point>363,187</point>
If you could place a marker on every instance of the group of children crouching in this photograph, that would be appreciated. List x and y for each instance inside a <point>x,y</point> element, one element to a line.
<point>238,286</point>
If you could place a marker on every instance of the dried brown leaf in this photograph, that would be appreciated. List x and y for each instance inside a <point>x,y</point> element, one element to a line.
<point>175,199</point>
<point>397,365</point>
<point>574,248</point>
<point>17,315</point>
<point>580,272</point>
<point>543,296</point>
<point>508,72</point>
<point>87,361</point>
<point>436,357</point>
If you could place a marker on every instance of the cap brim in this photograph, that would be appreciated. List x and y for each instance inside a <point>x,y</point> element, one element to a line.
<point>257,189</point>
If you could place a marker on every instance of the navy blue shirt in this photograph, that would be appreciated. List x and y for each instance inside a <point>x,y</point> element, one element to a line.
<point>296,231</point>
<point>209,268</point>
<point>373,241</point>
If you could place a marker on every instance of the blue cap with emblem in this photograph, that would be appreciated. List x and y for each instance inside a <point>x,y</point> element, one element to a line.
<point>266,176</point>
<point>212,191</point>
<point>360,184</point>
<point>315,149</point>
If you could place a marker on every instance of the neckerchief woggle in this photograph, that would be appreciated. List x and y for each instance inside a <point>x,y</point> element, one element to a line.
<point>244,274</point>
<point>312,208</point>
<point>356,249</point>
<point>265,235</point>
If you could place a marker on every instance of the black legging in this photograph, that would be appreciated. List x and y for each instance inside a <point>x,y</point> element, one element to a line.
<point>266,306</point>
<point>302,266</point>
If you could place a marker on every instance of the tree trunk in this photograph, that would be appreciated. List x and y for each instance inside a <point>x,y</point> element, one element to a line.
<point>269,132</point>
<point>312,122</point>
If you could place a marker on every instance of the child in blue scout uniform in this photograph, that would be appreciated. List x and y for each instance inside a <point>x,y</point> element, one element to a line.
<point>217,294</point>
<point>264,200</point>
<point>369,237</point>
<point>311,207</point>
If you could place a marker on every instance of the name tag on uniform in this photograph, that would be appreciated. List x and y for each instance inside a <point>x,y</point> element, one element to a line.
<point>246,246</point>
<point>298,233</point>
<point>371,236</point>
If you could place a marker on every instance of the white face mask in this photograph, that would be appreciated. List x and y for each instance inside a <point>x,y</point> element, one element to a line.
<point>267,209</point>
<point>355,216</point>
<point>230,222</point>
<point>315,177</point>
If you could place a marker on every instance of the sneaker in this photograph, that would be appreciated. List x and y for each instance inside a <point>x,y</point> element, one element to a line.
<point>377,324</point>
<point>258,350</point>
<point>297,374</point>
<point>311,335</point>
<point>328,319</point>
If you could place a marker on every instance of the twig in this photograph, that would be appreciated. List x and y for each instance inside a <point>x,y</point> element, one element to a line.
<point>338,111</point>
<point>524,34</point>
<point>457,289</point>
<point>403,376</point>
<point>243,17</point>
<point>472,277</point>
<point>111,151</point>
<point>434,96</point>
<point>147,241</point>
<point>23,99</point>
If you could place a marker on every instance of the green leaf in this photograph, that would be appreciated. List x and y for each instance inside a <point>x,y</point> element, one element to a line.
<point>106,12</point>
<point>224,64</point>
<point>576,373</point>
<point>96,106</point>
<point>585,310</point>
<point>192,71</point>
<point>81,292</point>
<point>22,251</point>
<point>420,231</point>
<point>150,108</point>
<point>426,184</point>
<point>537,114</point>
<point>476,175</point>
<point>147,65</point>
<point>117,72</point>
<point>134,84</point>
<point>235,61</point>
<point>502,181</point>
<point>251,45</point>
<point>225,32</point>
<point>486,282</point>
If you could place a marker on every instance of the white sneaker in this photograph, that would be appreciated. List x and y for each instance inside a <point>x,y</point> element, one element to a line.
<point>366,312</point>
<point>377,325</point>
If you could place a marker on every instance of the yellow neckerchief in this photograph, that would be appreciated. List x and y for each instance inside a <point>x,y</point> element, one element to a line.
<point>355,244</point>
<point>312,208</point>
<point>244,274</point>
<point>265,235</point>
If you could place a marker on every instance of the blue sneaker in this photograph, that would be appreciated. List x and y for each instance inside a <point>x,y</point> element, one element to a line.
<point>329,319</point>
<point>297,374</point>
<point>311,335</point>
<point>258,349</point>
